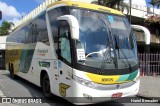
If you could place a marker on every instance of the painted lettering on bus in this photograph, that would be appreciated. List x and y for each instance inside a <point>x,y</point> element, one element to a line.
<point>42,51</point>
<point>107,79</point>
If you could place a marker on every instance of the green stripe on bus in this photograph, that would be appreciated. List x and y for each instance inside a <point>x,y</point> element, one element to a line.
<point>132,75</point>
<point>123,78</point>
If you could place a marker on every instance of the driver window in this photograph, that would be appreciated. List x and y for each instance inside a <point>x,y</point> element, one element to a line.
<point>64,43</point>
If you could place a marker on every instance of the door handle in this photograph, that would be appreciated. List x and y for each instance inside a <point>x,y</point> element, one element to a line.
<point>61,72</point>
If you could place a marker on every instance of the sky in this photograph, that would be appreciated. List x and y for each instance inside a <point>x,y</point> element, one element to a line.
<point>13,10</point>
<point>142,2</point>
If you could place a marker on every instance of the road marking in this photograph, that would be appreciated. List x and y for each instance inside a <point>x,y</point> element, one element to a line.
<point>1,94</point>
<point>2,85</point>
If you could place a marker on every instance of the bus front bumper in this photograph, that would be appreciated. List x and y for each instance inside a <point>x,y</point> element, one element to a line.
<point>86,95</point>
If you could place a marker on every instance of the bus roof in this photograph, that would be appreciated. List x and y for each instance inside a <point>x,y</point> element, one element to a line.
<point>74,4</point>
<point>87,6</point>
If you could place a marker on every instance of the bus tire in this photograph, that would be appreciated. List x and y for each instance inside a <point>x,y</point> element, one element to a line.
<point>46,86</point>
<point>11,69</point>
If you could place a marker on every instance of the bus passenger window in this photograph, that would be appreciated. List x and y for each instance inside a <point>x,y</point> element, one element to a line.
<point>64,43</point>
<point>38,29</point>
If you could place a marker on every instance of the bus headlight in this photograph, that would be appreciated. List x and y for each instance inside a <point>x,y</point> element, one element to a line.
<point>85,82</point>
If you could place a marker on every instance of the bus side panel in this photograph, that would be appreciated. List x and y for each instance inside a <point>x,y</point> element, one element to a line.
<point>41,61</point>
<point>44,60</point>
<point>13,53</point>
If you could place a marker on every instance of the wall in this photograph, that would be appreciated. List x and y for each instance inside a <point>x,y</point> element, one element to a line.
<point>3,42</point>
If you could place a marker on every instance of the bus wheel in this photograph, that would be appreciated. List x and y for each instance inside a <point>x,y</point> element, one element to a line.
<point>46,86</point>
<point>11,69</point>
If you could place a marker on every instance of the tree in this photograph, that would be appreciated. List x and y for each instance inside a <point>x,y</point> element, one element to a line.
<point>158,3</point>
<point>154,3</point>
<point>6,26</point>
<point>0,14</point>
<point>110,3</point>
<point>116,4</point>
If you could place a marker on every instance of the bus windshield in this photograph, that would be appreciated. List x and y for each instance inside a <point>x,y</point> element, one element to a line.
<point>106,40</point>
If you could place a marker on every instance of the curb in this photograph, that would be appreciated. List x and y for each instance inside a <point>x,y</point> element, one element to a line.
<point>146,97</point>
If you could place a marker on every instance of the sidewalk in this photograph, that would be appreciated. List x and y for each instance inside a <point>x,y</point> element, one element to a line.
<point>149,87</point>
<point>1,93</point>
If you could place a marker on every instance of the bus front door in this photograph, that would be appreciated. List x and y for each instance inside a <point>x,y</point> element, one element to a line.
<point>64,63</point>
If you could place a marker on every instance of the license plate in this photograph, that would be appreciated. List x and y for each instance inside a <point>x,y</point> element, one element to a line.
<point>117,95</point>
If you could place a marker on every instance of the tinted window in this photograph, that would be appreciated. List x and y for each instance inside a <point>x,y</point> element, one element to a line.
<point>53,14</point>
<point>38,31</point>
<point>35,31</point>
<point>18,36</point>
<point>64,43</point>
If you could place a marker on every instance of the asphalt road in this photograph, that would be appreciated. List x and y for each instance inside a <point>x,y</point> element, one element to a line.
<point>23,88</point>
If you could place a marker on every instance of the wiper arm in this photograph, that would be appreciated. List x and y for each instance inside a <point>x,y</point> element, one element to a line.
<point>105,57</point>
<point>119,48</point>
<point>109,44</point>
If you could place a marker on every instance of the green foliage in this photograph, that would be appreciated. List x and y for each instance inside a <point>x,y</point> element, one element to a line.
<point>154,3</point>
<point>116,4</point>
<point>158,3</point>
<point>153,24</point>
<point>109,3</point>
<point>0,14</point>
<point>153,21</point>
<point>5,27</point>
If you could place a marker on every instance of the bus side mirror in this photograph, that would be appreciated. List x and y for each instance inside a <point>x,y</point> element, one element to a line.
<point>147,34</point>
<point>0,15</point>
<point>73,23</point>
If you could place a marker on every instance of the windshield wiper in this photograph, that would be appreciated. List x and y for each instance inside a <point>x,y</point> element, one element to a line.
<point>108,45</point>
<point>106,58</point>
<point>120,49</point>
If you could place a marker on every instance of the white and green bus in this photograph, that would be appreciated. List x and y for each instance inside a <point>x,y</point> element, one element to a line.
<point>75,49</point>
